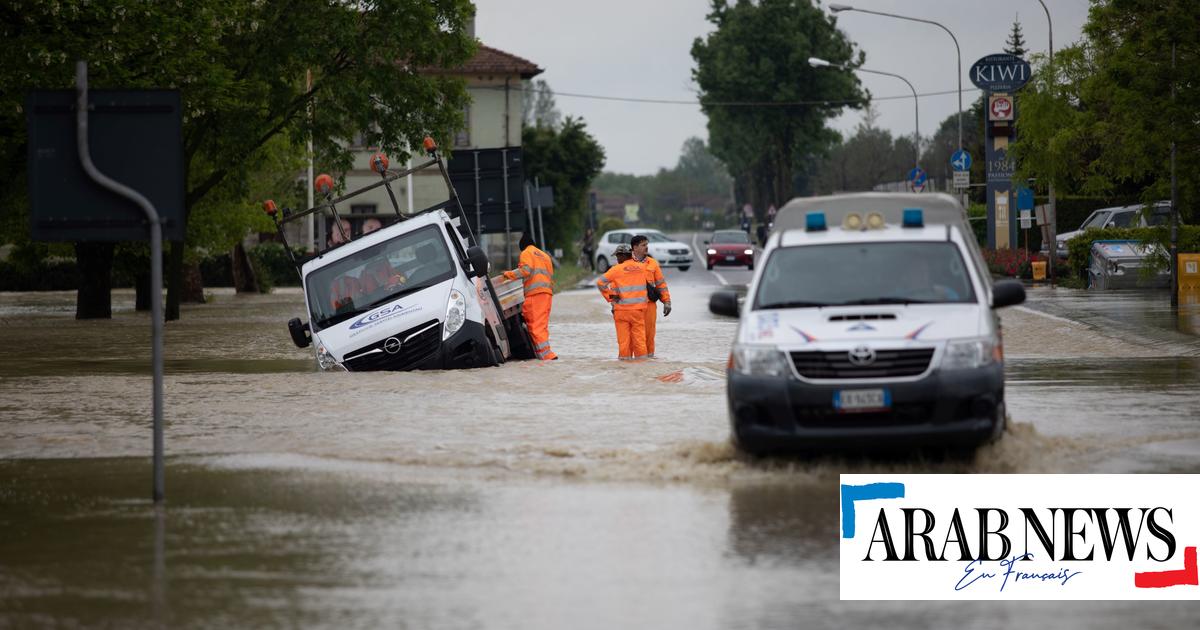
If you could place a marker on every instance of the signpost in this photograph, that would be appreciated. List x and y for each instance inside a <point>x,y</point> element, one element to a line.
<point>917,178</point>
<point>961,163</point>
<point>130,188</point>
<point>999,76</point>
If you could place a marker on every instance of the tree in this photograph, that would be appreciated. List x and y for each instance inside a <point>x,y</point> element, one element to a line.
<point>539,108</point>
<point>240,67</point>
<point>1015,45</point>
<point>936,157</point>
<point>759,53</point>
<point>1103,119</point>
<point>870,157</point>
<point>567,159</point>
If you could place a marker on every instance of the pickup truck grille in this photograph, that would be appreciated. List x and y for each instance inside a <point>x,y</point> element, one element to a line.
<point>417,343</point>
<point>837,365</point>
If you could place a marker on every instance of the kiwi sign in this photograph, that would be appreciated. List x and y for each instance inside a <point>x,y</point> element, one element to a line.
<point>1000,72</point>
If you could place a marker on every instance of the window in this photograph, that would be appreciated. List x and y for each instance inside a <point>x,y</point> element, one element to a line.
<point>618,237</point>
<point>365,208</point>
<point>462,138</point>
<point>731,237</point>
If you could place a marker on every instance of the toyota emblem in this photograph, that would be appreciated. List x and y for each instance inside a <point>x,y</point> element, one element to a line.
<point>861,355</point>
<point>392,346</point>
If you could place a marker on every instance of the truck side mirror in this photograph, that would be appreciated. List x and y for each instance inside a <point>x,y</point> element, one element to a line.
<point>478,260</point>
<point>301,335</point>
<point>1007,293</point>
<point>723,303</point>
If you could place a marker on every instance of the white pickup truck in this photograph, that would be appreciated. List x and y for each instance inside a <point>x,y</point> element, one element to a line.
<point>411,295</point>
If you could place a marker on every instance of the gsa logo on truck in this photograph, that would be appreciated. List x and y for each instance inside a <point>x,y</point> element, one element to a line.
<point>386,312</point>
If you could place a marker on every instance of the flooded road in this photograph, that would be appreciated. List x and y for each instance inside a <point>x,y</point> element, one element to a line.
<point>581,492</point>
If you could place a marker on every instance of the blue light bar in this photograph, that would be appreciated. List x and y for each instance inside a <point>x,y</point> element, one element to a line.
<point>814,221</point>
<point>913,217</point>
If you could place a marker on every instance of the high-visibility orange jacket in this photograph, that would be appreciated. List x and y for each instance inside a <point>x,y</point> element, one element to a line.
<point>624,284</point>
<point>536,269</point>
<point>654,276</point>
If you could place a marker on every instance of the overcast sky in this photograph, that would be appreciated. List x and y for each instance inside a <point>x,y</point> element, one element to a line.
<point>642,49</point>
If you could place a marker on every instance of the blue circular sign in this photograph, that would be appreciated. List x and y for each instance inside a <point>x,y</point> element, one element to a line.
<point>961,160</point>
<point>917,178</point>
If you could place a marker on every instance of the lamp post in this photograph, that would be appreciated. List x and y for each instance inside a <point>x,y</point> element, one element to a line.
<point>821,63</point>
<point>838,8</point>
<point>1052,215</point>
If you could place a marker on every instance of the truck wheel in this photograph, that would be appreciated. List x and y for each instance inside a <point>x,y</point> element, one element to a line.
<point>602,264</point>
<point>519,341</point>
<point>497,356</point>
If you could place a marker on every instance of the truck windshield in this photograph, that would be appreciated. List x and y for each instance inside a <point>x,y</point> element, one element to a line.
<point>378,274</point>
<point>862,273</point>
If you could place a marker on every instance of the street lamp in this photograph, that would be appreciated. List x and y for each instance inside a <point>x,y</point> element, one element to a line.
<point>1052,248</point>
<point>838,8</point>
<point>821,63</point>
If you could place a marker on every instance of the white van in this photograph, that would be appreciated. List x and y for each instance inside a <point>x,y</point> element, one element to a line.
<point>410,295</point>
<point>870,322</point>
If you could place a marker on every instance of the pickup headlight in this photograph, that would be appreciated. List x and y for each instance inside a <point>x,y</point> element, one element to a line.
<point>325,361</point>
<point>456,313</point>
<point>759,360</point>
<point>975,353</point>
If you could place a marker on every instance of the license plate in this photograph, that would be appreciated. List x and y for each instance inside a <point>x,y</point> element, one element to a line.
<point>852,400</point>
<point>728,258</point>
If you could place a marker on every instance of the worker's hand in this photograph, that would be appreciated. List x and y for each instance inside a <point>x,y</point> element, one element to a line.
<point>666,308</point>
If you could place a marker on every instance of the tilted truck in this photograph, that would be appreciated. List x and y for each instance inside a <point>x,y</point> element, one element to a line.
<point>414,294</point>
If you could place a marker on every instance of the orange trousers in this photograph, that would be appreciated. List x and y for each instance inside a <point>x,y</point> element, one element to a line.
<point>631,334</point>
<point>651,322</point>
<point>536,311</point>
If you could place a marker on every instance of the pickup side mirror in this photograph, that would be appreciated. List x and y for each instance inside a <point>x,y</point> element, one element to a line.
<point>301,333</point>
<point>723,303</point>
<point>1007,293</point>
<point>478,260</point>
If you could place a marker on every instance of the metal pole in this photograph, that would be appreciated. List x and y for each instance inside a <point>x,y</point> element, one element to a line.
<point>478,197</point>
<point>541,223</point>
<point>1174,208</point>
<point>916,101</point>
<point>156,308</point>
<point>312,244</point>
<point>507,226</point>
<point>408,183</point>
<point>1052,211</point>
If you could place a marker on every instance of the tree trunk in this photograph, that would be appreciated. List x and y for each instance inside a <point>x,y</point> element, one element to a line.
<point>174,281</point>
<point>94,299</point>
<point>141,287</point>
<point>244,280</point>
<point>193,284</point>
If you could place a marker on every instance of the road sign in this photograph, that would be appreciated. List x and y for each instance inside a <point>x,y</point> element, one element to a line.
<point>917,178</point>
<point>1026,219</point>
<point>1000,108</point>
<point>961,160</point>
<point>962,179</point>
<point>1024,198</point>
<point>1001,72</point>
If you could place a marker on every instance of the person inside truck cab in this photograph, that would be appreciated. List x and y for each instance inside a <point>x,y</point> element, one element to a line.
<point>344,290</point>
<point>919,281</point>
<point>379,273</point>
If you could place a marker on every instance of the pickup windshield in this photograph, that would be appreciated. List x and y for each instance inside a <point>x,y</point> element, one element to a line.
<point>377,275</point>
<point>861,273</point>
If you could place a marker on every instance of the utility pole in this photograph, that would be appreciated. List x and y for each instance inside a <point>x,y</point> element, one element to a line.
<point>1174,208</point>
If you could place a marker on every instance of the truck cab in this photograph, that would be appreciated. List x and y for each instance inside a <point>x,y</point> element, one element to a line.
<point>870,324</point>
<point>414,294</point>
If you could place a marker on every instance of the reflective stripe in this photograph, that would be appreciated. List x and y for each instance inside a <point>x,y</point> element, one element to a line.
<point>621,289</point>
<point>632,300</point>
<point>544,344</point>
<point>540,285</point>
<point>534,272</point>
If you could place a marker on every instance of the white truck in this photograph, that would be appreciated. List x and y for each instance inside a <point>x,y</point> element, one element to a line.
<point>414,294</point>
<point>870,324</point>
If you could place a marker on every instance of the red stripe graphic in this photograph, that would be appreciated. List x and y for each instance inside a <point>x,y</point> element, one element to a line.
<point>1162,579</point>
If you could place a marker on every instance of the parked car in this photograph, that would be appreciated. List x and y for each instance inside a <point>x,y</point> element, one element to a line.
<point>1120,216</point>
<point>667,251</point>
<point>729,247</point>
<point>1119,264</point>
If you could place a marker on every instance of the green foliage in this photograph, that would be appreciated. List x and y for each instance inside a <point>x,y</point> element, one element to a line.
<point>1015,45</point>
<point>759,52</point>
<point>567,158</point>
<point>567,275</point>
<point>271,262</point>
<point>608,224</point>
<point>241,66</point>
<point>938,149</point>
<point>1103,119</point>
<point>871,156</point>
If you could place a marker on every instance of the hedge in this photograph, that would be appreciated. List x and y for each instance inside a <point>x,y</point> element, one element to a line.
<point>1080,247</point>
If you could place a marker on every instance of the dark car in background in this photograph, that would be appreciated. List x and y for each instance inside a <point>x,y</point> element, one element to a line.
<point>729,247</point>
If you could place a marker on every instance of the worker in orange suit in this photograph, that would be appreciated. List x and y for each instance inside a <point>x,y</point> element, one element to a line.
<point>536,270</point>
<point>656,288</point>
<point>624,285</point>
